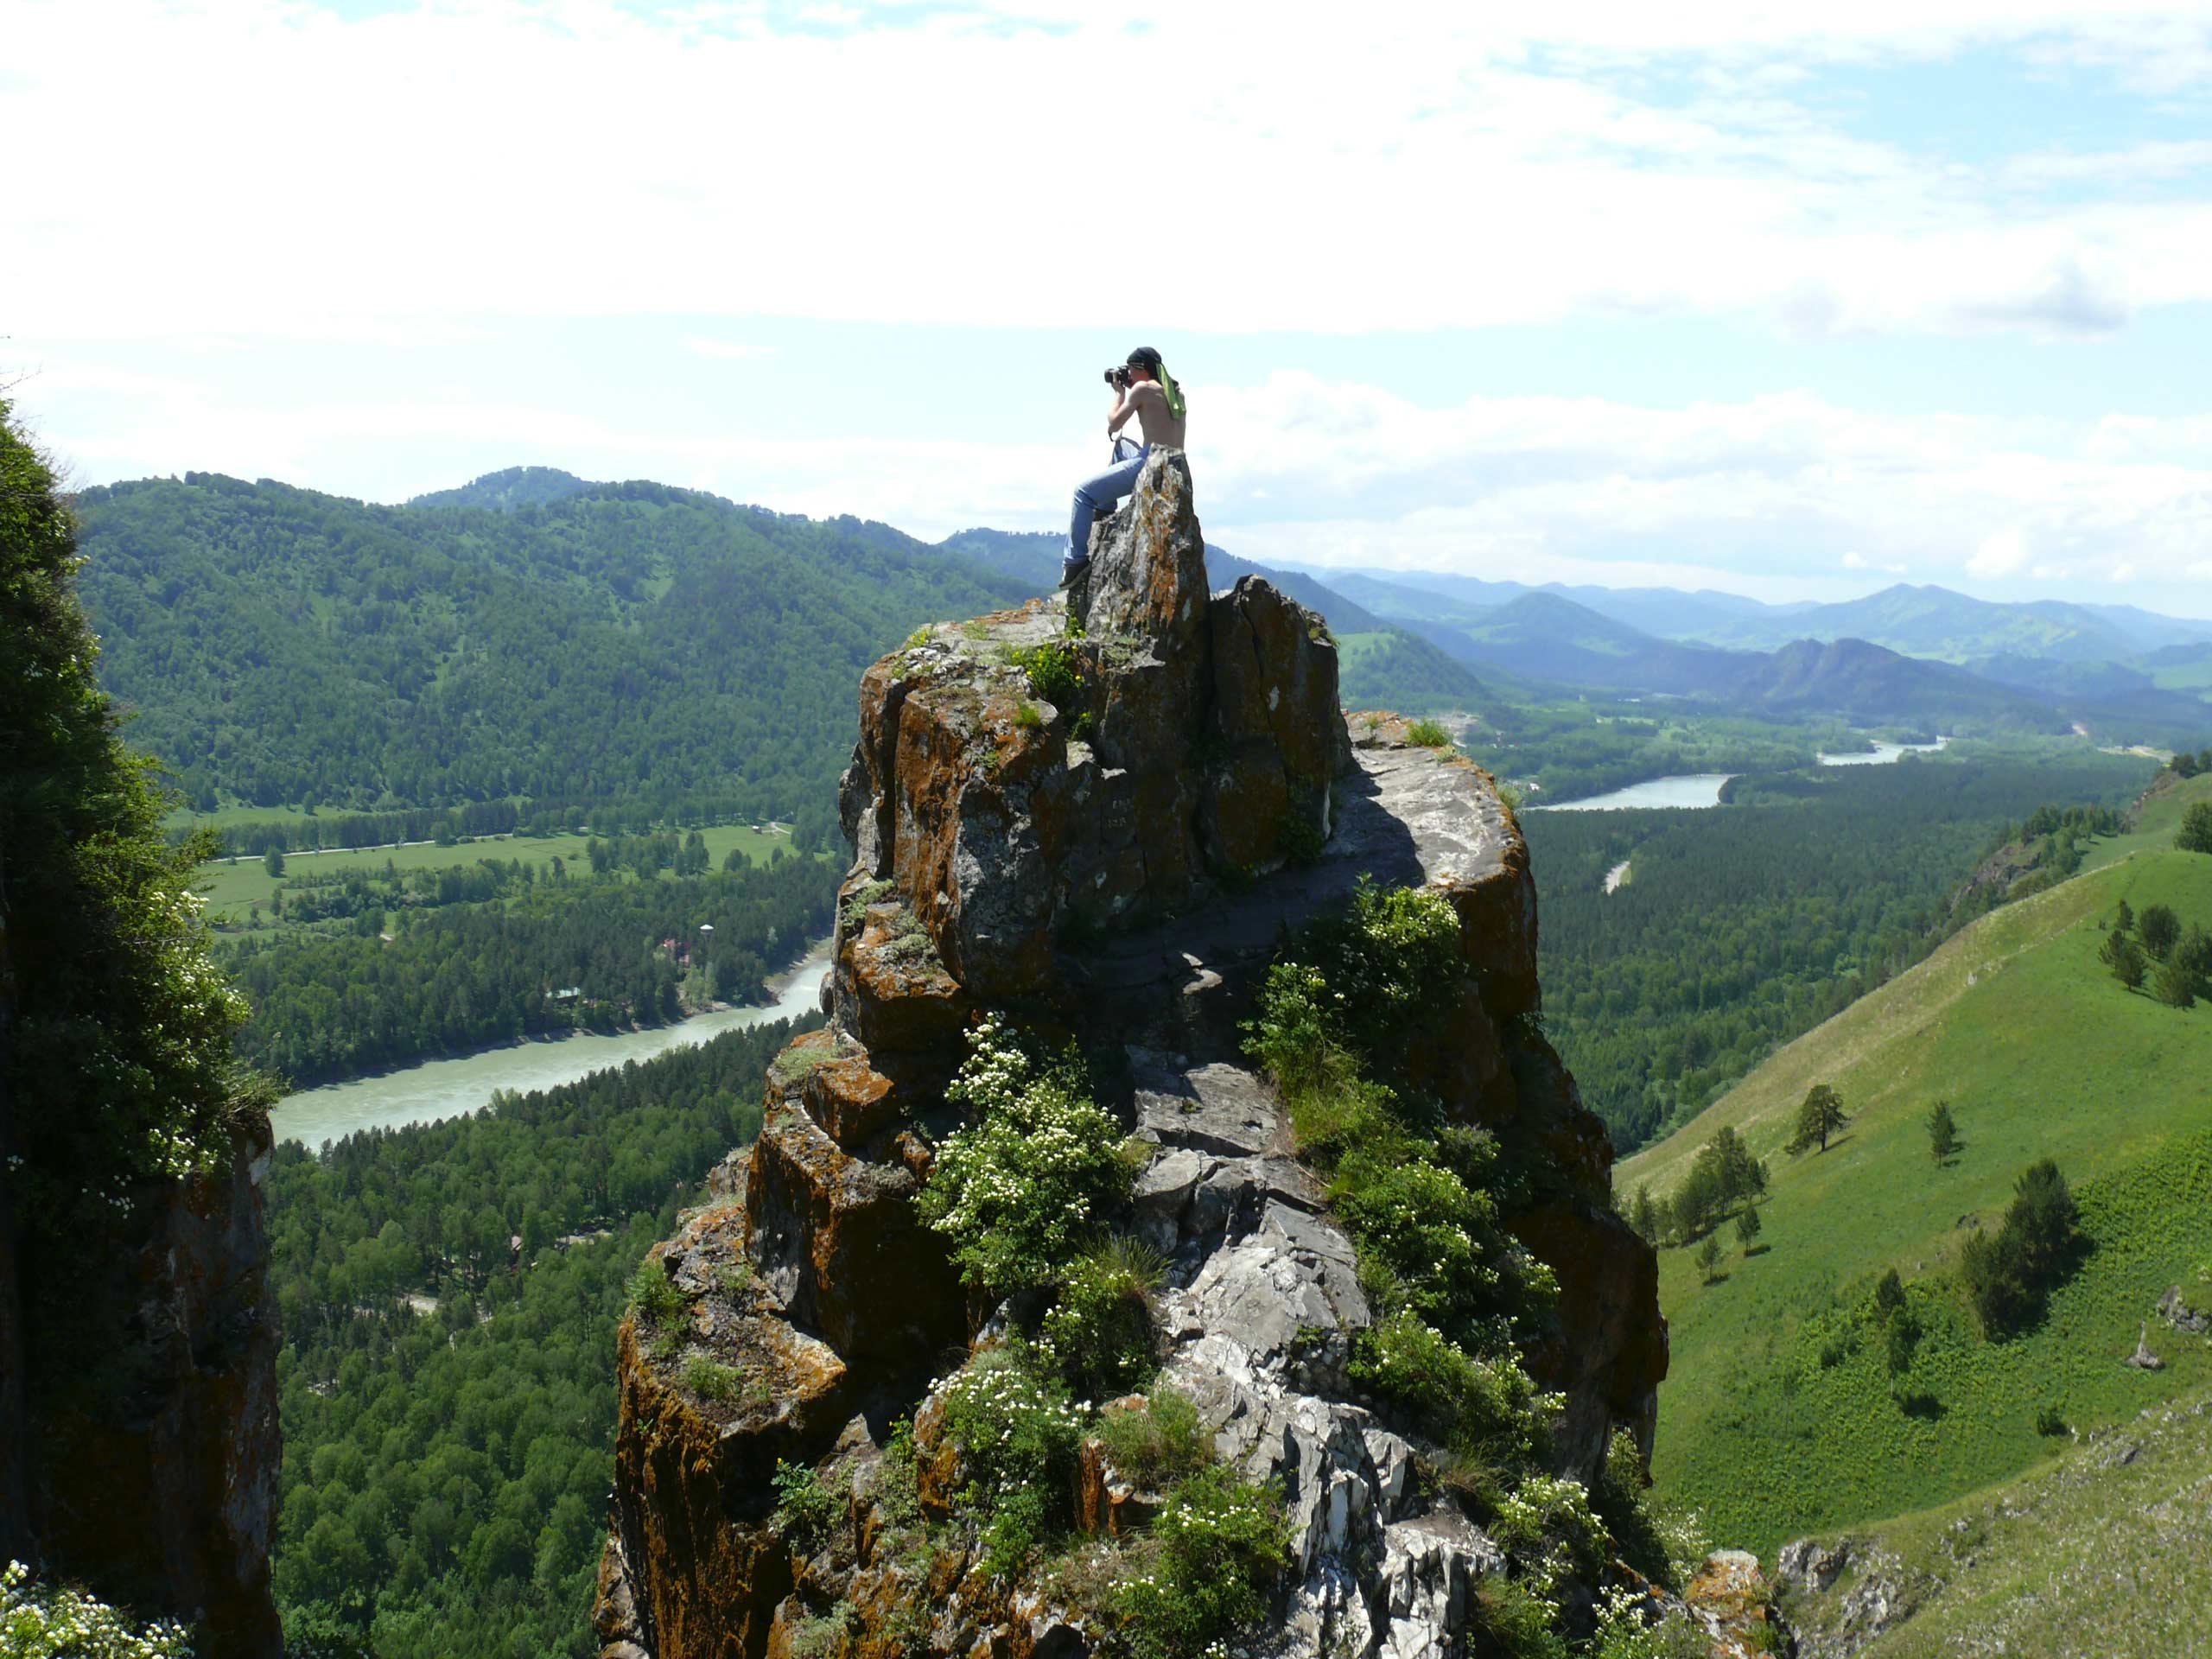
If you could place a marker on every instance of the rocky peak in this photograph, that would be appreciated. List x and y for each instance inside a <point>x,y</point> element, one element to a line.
<point>1098,814</point>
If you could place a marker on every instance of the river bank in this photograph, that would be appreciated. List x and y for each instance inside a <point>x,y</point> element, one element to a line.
<point>460,1083</point>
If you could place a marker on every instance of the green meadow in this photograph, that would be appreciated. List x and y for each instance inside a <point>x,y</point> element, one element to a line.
<point>2058,1563</point>
<point>234,885</point>
<point>1780,1415</point>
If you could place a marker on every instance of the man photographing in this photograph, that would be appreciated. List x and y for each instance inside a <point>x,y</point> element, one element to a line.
<point>1142,387</point>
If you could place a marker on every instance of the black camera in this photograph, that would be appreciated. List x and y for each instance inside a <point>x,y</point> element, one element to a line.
<point>1118,377</point>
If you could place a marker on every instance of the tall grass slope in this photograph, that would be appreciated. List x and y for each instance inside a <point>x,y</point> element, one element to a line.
<point>1782,1414</point>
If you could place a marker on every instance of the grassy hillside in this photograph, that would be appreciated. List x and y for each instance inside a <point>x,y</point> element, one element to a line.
<point>1780,1415</point>
<point>2124,1509</point>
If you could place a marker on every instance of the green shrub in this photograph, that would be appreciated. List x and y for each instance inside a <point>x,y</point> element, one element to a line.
<point>38,1621</point>
<point>1036,1171</point>
<point>1666,1545</point>
<point>1367,979</point>
<point>1518,1622</point>
<point>1051,668</point>
<point>1216,1548</point>
<point>1428,734</point>
<point>826,1633</point>
<point>1157,1446</point>
<point>2049,1421</point>
<point>805,1508</point>
<point>1438,1239</point>
<point>1099,1333</point>
<point>1549,1531</point>
<point>1473,1405</point>
<point>852,912</point>
<point>654,1296</point>
<point>710,1379</point>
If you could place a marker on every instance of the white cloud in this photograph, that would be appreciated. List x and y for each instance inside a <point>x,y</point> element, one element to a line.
<point>1466,165</point>
<point>2005,554</point>
<point>705,345</point>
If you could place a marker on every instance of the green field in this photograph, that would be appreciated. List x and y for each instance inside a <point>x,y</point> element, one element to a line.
<point>2040,1052</point>
<point>233,886</point>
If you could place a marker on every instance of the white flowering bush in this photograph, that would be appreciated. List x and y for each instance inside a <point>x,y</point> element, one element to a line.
<point>1548,1531</point>
<point>1032,1178</point>
<point>1630,1628</point>
<point>40,1621</point>
<point>1018,1433</point>
<point>1216,1551</point>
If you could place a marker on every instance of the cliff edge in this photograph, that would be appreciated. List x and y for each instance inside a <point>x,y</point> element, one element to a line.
<point>1096,823</point>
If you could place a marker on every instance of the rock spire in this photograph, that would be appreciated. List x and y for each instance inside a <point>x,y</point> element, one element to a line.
<point>1098,814</point>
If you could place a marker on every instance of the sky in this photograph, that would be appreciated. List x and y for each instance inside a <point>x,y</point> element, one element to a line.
<point>1791,301</point>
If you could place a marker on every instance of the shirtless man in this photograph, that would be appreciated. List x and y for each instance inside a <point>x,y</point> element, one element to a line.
<point>1146,390</point>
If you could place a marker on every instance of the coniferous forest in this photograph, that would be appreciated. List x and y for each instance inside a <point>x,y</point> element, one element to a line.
<point>449,1398</point>
<point>1740,927</point>
<point>563,955</point>
<point>637,642</point>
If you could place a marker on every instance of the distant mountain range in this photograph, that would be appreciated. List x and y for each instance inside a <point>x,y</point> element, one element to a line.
<point>2121,672</point>
<point>1430,640</point>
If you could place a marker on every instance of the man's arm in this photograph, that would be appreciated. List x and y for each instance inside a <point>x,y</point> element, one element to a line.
<point>1128,404</point>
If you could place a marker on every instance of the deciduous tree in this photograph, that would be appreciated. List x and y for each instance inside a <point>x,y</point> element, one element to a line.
<point>1821,1116</point>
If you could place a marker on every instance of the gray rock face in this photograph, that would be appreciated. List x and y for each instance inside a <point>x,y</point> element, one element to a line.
<point>1808,1567</point>
<point>2175,1310</point>
<point>1262,1305</point>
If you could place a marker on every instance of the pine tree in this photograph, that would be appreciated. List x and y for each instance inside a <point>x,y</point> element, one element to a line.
<point>2157,929</point>
<point>1708,1256</point>
<point>1821,1116</point>
<point>1644,1215</point>
<point>1747,1227</point>
<point>2174,985</point>
<point>2127,964</point>
<point>2123,918</point>
<point>1942,1133</point>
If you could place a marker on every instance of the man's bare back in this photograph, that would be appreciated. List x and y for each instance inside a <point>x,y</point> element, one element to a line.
<point>1147,401</point>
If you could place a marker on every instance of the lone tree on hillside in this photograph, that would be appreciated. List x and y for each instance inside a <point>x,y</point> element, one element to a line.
<point>2157,929</point>
<point>1821,1116</point>
<point>2123,918</point>
<point>1942,1133</point>
<point>2195,834</point>
<point>1747,1227</point>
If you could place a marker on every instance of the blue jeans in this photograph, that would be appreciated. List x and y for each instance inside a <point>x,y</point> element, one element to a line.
<point>1100,494</point>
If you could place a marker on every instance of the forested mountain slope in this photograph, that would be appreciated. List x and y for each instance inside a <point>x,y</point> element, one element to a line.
<point>628,642</point>
<point>1789,1408</point>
